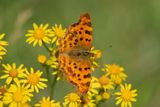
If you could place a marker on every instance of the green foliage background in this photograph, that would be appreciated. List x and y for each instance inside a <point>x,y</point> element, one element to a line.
<point>127,32</point>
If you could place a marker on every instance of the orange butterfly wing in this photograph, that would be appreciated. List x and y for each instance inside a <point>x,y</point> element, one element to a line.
<point>78,35</point>
<point>77,69</point>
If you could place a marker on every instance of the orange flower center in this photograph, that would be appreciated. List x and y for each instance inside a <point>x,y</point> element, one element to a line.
<point>104,80</point>
<point>126,95</point>
<point>118,80</point>
<point>17,97</point>
<point>42,59</point>
<point>114,69</point>
<point>73,97</point>
<point>3,90</point>
<point>39,33</point>
<point>33,79</point>
<point>59,32</point>
<point>13,73</point>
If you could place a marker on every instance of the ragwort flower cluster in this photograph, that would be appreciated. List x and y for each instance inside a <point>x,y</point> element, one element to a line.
<point>21,83</point>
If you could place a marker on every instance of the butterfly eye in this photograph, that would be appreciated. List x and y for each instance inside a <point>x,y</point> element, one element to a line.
<point>85,53</point>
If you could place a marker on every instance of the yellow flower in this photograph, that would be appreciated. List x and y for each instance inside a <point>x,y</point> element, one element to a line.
<point>3,90</point>
<point>118,80</point>
<point>102,83</point>
<point>116,73</point>
<point>1,102</point>
<point>25,105</point>
<point>126,96</point>
<point>106,83</point>
<point>88,101</point>
<point>59,32</point>
<point>39,35</point>
<point>94,86</point>
<point>33,79</point>
<point>105,96</point>
<point>41,59</point>
<point>98,98</point>
<point>102,96</point>
<point>97,53</point>
<point>72,100</point>
<point>2,44</point>
<point>47,102</point>
<point>13,73</point>
<point>16,96</point>
<point>0,95</point>
<point>53,62</point>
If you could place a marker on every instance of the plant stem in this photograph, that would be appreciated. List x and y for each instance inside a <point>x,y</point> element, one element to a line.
<point>48,76</point>
<point>46,47</point>
<point>53,85</point>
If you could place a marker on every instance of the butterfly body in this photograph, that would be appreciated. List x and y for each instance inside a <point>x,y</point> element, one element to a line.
<point>74,54</point>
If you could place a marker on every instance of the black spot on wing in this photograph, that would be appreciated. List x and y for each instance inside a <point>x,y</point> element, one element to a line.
<point>87,76</point>
<point>78,75</point>
<point>85,69</point>
<point>80,69</point>
<point>88,32</point>
<point>88,84</point>
<point>87,24</point>
<point>75,67</point>
<point>81,38</point>
<point>70,70</point>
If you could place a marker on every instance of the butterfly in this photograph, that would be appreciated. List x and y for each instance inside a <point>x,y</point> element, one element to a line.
<point>74,53</point>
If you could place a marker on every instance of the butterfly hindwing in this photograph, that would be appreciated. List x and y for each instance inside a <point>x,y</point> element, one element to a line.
<point>77,71</point>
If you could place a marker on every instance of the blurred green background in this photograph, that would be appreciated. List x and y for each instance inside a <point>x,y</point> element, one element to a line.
<point>127,31</point>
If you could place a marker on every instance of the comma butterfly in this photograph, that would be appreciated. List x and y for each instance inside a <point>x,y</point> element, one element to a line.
<point>74,53</point>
